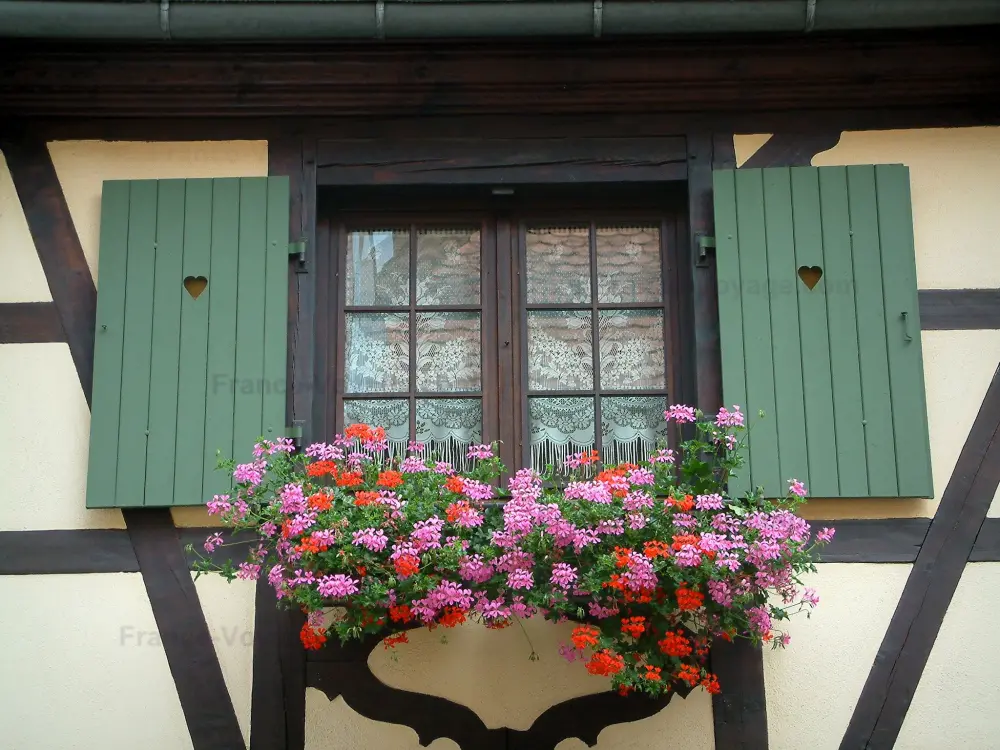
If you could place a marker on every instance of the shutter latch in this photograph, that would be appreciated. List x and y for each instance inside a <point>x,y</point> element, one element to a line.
<point>704,243</point>
<point>298,249</point>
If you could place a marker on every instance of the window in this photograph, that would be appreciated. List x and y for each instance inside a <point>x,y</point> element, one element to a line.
<point>594,340</point>
<point>551,330</point>
<point>412,335</point>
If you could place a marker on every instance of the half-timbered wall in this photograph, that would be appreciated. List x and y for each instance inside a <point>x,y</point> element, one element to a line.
<point>88,643</point>
<point>88,670</point>
<point>813,688</point>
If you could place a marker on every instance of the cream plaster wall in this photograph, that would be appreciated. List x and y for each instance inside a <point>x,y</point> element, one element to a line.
<point>958,694</point>
<point>84,667</point>
<point>82,166</point>
<point>490,672</point>
<point>46,426</point>
<point>80,668</point>
<point>334,724</point>
<point>21,275</point>
<point>813,686</point>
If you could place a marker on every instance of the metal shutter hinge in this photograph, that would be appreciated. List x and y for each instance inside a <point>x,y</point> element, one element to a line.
<point>295,433</point>
<point>701,257</point>
<point>298,249</point>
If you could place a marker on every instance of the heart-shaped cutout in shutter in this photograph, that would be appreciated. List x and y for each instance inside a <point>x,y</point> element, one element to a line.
<point>810,275</point>
<point>195,285</point>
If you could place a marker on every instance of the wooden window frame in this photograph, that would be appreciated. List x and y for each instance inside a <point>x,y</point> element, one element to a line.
<point>502,221</point>
<point>334,391</point>
<point>668,220</point>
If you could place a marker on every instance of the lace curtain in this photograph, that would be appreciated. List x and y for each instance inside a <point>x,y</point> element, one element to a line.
<point>631,427</point>
<point>447,426</point>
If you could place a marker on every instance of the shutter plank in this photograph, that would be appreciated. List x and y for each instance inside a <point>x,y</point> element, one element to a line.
<point>906,373</point>
<point>192,379</point>
<point>817,380</point>
<point>133,421</point>
<point>875,394</point>
<point>250,301</point>
<point>221,333</point>
<point>167,290</point>
<point>842,318</point>
<point>276,309</point>
<point>757,346</point>
<point>782,271</point>
<point>730,308</point>
<point>108,344</point>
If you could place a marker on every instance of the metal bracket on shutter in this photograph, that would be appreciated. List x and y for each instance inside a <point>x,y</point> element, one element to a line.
<point>701,255</point>
<point>295,433</point>
<point>298,249</point>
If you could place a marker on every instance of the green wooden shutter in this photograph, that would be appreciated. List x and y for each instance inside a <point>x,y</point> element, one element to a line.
<point>178,377</point>
<point>837,368</point>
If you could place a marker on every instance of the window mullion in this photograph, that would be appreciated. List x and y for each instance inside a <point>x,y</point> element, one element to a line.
<point>413,332</point>
<point>595,340</point>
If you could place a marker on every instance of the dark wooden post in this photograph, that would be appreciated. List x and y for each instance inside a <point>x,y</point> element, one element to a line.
<point>739,712</point>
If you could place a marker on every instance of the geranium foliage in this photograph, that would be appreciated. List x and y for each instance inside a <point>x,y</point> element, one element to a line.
<point>651,561</point>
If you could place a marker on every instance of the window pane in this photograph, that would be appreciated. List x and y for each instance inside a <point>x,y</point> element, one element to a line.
<point>631,349</point>
<point>558,265</point>
<point>559,427</point>
<point>391,414</point>
<point>448,267</point>
<point>378,267</point>
<point>448,426</point>
<point>560,350</point>
<point>378,352</point>
<point>449,351</point>
<point>631,427</point>
<point>628,264</point>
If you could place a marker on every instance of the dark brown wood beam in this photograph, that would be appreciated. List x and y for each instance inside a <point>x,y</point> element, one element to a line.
<point>187,642</point>
<point>278,696</point>
<point>430,716</point>
<point>739,712</point>
<point>791,149</point>
<point>73,292</point>
<point>278,701</point>
<point>30,323</point>
<point>959,309</point>
<point>954,70</point>
<point>99,550</point>
<point>294,156</point>
<point>935,575</point>
<point>200,127</point>
<point>987,546</point>
<point>458,161</point>
<point>586,717</point>
<point>875,540</point>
